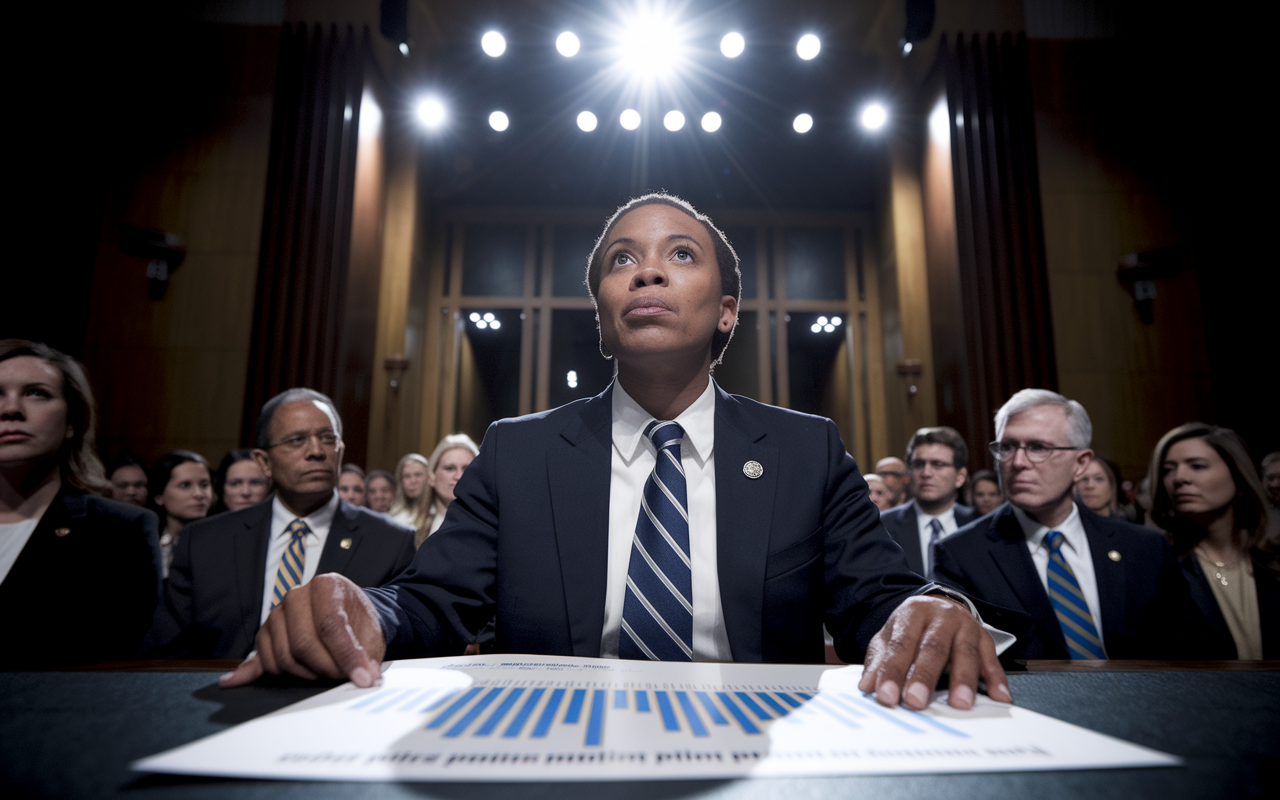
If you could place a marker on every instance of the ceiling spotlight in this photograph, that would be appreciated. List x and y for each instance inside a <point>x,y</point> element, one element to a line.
<point>828,328</point>
<point>836,320</point>
<point>474,317</point>
<point>808,47</point>
<point>815,327</point>
<point>488,317</point>
<point>732,45</point>
<point>568,45</point>
<point>431,112</point>
<point>822,321</point>
<point>907,47</point>
<point>673,121</point>
<point>587,121</point>
<point>493,43</point>
<point>874,116</point>
<point>650,46</point>
<point>630,119</point>
<point>499,121</point>
<point>803,123</point>
<point>711,122</point>
<point>482,324</point>
<point>404,49</point>
<point>495,324</point>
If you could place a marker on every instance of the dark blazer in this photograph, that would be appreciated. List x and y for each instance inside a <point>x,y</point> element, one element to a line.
<point>1220,644</point>
<point>213,598</point>
<point>84,587</point>
<point>1146,607</point>
<point>903,525</point>
<point>528,537</point>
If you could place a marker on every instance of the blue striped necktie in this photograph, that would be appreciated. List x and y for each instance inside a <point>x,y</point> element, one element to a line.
<point>657,614</point>
<point>293,563</point>
<point>1069,603</point>
<point>935,536</point>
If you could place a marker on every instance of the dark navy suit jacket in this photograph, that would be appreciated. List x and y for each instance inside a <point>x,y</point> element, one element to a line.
<point>1221,645</point>
<point>528,539</point>
<point>903,525</point>
<point>213,597</point>
<point>1147,611</point>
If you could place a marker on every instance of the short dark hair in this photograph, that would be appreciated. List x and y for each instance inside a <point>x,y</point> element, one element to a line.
<point>160,473</point>
<point>127,458</point>
<point>262,431</point>
<point>984,475</point>
<point>726,258</point>
<point>352,468</point>
<point>947,437</point>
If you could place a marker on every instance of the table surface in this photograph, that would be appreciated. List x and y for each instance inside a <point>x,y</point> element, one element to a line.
<point>73,734</point>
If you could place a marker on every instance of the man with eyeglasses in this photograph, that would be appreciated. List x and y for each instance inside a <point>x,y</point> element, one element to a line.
<point>230,570</point>
<point>937,459</point>
<point>1091,587</point>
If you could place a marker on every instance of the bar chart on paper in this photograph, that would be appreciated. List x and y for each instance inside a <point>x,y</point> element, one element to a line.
<point>532,718</point>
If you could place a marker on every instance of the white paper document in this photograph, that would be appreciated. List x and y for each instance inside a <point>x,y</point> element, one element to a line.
<point>532,718</point>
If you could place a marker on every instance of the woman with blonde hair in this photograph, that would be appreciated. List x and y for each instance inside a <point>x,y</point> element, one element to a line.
<point>411,478</point>
<point>448,461</point>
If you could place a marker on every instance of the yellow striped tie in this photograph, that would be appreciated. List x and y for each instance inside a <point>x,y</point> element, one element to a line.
<point>292,563</point>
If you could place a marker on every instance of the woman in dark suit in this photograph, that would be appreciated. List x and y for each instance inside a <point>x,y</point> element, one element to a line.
<point>79,574</point>
<point>1207,495</point>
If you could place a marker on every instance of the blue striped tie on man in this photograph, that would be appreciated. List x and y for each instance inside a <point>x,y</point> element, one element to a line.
<point>293,564</point>
<point>1069,604</point>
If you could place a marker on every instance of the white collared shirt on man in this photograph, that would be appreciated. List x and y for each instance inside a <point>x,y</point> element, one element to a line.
<point>1075,551</point>
<point>632,461</point>
<point>319,521</point>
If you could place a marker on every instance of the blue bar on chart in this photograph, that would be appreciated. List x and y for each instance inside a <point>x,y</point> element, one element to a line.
<point>669,720</point>
<point>548,714</point>
<point>574,713</point>
<point>642,701</point>
<point>741,718</point>
<point>497,716</point>
<point>620,698</point>
<point>751,705</point>
<point>691,714</point>
<point>595,723</point>
<point>713,712</point>
<point>522,716</point>
<point>471,716</point>
<point>453,708</point>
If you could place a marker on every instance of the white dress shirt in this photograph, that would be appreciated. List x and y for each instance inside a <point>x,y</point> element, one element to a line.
<point>1075,551</point>
<point>948,520</point>
<point>14,537</point>
<point>319,521</point>
<point>633,456</point>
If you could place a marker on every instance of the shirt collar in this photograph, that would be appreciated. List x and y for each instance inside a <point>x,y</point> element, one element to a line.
<point>1071,528</point>
<point>320,518</point>
<point>947,517</point>
<point>630,420</point>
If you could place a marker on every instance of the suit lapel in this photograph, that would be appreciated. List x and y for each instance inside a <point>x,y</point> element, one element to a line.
<point>744,510</point>
<point>345,527</point>
<point>250,553</point>
<point>907,533</point>
<point>1108,574</point>
<point>579,475</point>
<point>1009,551</point>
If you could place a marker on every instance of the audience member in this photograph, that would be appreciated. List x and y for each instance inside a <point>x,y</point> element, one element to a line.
<point>239,482</point>
<point>1210,500</point>
<point>128,478</point>
<point>1271,477</point>
<point>1098,488</point>
<point>446,465</point>
<point>410,505</point>
<point>893,472</point>
<point>592,529</point>
<point>985,488</point>
<point>878,492</point>
<point>351,485</point>
<point>231,570</point>
<point>79,574</point>
<point>936,459</point>
<point>1142,499</point>
<point>1093,587</point>
<point>180,491</point>
<point>380,490</point>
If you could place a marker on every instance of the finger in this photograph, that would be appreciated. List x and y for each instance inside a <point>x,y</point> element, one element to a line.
<point>263,646</point>
<point>349,629</point>
<point>893,661</point>
<point>249,671</point>
<point>304,640</point>
<point>993,673</point>
<point>928,662</point>
<point>966,666</point>
<point>294,629</point>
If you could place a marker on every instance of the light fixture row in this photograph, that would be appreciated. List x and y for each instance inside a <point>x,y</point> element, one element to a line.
<point>732,45</point>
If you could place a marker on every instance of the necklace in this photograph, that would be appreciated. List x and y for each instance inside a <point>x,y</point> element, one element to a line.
<point>1220,574</point>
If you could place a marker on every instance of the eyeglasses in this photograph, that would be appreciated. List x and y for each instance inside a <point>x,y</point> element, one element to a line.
<point>918,465</point>
<point>298,441</point>
<point>1036,451</point>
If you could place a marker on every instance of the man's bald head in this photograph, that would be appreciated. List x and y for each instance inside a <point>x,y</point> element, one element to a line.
<point>893,471</point>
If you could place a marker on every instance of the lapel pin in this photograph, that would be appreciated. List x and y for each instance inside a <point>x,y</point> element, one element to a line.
<point>1114,555</point>
<point>62,532</point>
<point>345,544</point>
<point>752,469</point>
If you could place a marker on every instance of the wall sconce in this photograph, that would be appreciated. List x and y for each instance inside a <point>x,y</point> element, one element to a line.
<point>911,369</point>
<point>1138,272</point>
<point>164,253</point>
<point>396,366</point>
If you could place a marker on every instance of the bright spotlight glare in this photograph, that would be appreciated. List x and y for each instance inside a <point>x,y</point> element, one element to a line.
<point>568,45</point>
<point>732,45</point>
<point>827,328</point>
<point>836,320</point>
<point>587,121</point>
<point>815,327</point>
<point>874,116</point>
<point>938,119</point>
<point>630,119</point>
<point>404,49</point>
<point>488,317</point>
<point>650,46</point>
<point>907,48</point>
<point>495,324</point>
<point>673,121</point>
<point>572,379</point>
<point>431,112</point>
<point>493,43</point>
<point>482,324</point>
<point>803,123</point>
<point>499,121</point>
<point>822,320</point>
<point>475,317</point>
<point>711,122</point>
<point>808,47</point>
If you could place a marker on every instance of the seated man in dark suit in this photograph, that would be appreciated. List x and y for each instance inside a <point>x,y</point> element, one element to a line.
<point>936,459</point>
<point>230,570</point>
<point>79,574</point>
<point>662,519</point>
<point>1094,587</point>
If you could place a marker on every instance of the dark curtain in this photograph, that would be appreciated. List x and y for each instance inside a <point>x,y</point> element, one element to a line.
<point>306,226</point>
<point>1004,289</point>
